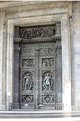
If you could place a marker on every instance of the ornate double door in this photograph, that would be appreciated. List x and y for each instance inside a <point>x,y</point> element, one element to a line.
<point>37,76</point>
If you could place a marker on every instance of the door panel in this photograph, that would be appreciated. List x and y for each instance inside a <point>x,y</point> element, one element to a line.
<point>27,74</point>
<point>47,76</point>
<point>37,72</point>
<point>37,76</point>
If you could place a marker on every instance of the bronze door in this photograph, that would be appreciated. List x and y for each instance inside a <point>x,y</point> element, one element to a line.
<point>36,79</point>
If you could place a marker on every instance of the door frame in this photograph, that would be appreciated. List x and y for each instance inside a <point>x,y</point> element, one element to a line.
<point>50,18</point>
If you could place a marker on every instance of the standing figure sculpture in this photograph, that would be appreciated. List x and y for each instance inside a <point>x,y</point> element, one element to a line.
<point>27,82</point>
<point>47,82</point>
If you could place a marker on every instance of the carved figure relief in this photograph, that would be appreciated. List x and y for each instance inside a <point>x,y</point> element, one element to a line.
<point>47,82</point>
<point>37,31</point>
<point>27,82</point>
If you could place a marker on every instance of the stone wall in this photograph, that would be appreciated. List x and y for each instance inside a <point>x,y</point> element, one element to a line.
<point>75,44</point>
<point>75,47</point>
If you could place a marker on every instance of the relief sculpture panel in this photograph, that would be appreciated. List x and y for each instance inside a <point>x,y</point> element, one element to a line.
<point>27,83</point>
<point>48,98</point>
<point>28,63</point>
<point>38,31</point>
<point>47,82</point>
<point>47,62</point>
<point>37,64</point>
<point>47,51</point>
<point>27,98</point>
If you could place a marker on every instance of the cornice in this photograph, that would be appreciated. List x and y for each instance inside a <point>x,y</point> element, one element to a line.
<point>34,5</point>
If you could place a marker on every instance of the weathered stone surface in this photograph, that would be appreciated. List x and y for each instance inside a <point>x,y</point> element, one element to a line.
<point>1,59</point>
<point>32,13</point>
<point>75,44</point>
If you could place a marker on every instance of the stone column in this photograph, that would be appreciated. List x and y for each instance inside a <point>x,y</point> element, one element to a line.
<point>66,63</point>
<point>2,14</point>
<point>9,66</point>
<point>76,57</point>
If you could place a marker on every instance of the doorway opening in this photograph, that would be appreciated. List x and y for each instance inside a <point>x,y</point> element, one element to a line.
<point>37,66</point>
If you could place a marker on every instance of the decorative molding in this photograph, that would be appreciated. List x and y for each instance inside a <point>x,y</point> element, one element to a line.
<point>38,40</point>
<point>37,31</point>
<point>32,5</point>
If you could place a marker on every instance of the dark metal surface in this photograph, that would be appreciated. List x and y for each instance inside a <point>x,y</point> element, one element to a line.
<point>37,73</point>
